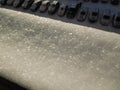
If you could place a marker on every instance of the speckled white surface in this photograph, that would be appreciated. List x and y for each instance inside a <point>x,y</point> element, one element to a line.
<point>45,54</point>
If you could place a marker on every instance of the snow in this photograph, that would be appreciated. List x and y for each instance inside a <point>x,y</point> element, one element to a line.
<point>47,54</point>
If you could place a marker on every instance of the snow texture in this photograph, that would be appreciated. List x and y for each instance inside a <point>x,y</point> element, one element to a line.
<point>46,54</point>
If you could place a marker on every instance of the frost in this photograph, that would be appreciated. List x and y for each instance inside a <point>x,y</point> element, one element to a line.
<point>49,54</point>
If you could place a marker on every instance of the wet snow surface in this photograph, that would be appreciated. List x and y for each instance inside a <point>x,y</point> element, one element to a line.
<point>46,54</point>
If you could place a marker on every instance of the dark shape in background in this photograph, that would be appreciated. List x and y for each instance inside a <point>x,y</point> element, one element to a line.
<point>96,25</point>
<point>6,84</point>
